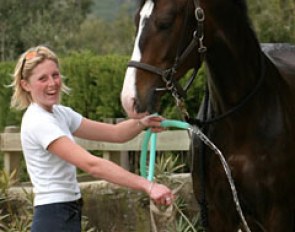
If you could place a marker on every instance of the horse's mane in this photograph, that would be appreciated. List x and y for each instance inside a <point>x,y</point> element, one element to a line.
<point>240,10</point>
<point>244,9</point>
<point>242,4</point>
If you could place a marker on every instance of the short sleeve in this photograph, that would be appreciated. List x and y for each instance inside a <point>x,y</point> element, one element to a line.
<point>75,119</point>
<point>40,128</point>
<point>45,133</point>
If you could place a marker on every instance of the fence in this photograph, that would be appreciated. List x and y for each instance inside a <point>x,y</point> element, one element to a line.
<point>173,140</point>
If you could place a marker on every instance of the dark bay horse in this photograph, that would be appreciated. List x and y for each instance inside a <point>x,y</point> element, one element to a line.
<point>248,113</point>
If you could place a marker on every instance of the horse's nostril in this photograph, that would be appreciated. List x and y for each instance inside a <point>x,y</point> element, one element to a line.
<point>137,106</point>
<point>141,106</point>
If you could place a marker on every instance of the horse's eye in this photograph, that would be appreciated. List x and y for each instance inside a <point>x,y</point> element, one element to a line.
<point>164,25</point>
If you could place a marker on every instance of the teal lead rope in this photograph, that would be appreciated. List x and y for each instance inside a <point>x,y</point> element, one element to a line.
<point>151,138</point>
<point>184,125</point>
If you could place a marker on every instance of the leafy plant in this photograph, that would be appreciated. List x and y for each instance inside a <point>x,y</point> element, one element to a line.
<point>167,164</point>
<point>19,219</point>
<point>184,224</point>
<point>14,218</point>
<point>86,227</point>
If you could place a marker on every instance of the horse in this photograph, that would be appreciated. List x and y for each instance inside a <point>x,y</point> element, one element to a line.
<point>248,109</point>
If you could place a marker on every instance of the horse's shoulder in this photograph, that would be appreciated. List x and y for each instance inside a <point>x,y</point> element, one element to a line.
<point>282,56</point>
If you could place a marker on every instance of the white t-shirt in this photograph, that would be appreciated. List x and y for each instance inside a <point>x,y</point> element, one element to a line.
<point>54,180</point>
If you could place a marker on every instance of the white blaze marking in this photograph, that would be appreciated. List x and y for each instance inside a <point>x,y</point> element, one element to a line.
<point>129,91</point>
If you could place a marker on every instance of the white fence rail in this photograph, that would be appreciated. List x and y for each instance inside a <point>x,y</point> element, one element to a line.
<point>173,140</point>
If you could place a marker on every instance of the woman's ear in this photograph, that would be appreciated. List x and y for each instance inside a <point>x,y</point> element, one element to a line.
<point>25,85</point>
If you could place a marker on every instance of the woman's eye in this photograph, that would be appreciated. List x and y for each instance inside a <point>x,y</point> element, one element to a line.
<point>55,75</point>
<point>43,78</point>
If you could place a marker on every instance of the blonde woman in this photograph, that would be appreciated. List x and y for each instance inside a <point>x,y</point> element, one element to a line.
<point>50,152</point>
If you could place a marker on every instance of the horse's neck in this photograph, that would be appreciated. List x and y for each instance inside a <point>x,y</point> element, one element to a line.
<point>231,76</point>
<point>233,60</point>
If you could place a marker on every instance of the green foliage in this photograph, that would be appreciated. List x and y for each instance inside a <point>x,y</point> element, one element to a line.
<point>181,221</point>
<point>166,164</point>
<point>24,24</point>
<point>105,37</point>
<point>273,20</point>
<point>95,83</point>
<point>106,27</point>
<point>16,213</point>
<point>66,26</point>
<point>110,9</point>
<point>7,116</point>
<point>14,218</point>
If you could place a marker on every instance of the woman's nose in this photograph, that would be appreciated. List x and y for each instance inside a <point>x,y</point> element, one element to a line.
<point>51,80</point>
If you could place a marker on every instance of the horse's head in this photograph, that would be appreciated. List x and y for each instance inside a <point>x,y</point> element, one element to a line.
<point>165,29</point>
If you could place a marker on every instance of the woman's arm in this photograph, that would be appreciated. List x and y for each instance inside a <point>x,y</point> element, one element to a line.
<point>101,168</point>
<point>120,132</point>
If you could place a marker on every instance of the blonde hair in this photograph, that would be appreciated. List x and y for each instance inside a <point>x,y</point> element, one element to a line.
<point>21,99</point>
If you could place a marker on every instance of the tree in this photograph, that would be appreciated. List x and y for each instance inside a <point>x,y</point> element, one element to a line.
<point>25,23</point>
<point>106,37</point>
<point>273,20</point>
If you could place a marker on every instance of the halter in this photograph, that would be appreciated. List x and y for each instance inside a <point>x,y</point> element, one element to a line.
<point>168,75</point>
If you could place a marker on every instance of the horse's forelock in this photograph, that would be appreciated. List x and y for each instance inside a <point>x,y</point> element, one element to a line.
<point>147,8</point>
<point>143,1</point>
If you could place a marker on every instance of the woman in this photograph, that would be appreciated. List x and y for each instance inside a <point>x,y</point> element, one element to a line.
<point>50,152</point>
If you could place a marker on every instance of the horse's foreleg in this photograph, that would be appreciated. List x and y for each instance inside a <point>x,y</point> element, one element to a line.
<point>222,223</point>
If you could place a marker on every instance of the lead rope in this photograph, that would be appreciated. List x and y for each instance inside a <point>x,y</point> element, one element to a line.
<point>205,140</point>
<point>167,214</point>
<point>193,130</point>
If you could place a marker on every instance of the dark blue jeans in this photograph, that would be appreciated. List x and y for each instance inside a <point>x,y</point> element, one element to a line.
<point>58,217</point>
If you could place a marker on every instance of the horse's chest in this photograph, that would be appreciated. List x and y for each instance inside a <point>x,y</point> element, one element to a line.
<point>256,177</point>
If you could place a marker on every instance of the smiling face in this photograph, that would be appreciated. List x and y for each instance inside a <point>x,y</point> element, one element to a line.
<point>44,84</point>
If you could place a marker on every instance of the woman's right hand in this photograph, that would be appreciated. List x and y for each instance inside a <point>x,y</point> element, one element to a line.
<point>160,194</point>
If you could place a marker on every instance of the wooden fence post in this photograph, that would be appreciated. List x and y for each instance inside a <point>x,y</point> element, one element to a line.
<point>119,157</point>
<point>123,155</point>
<point>12,158</point>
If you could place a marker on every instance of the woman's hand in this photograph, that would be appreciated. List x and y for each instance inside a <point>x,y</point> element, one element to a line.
<point>160,194</point>
<point>151,121</point>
